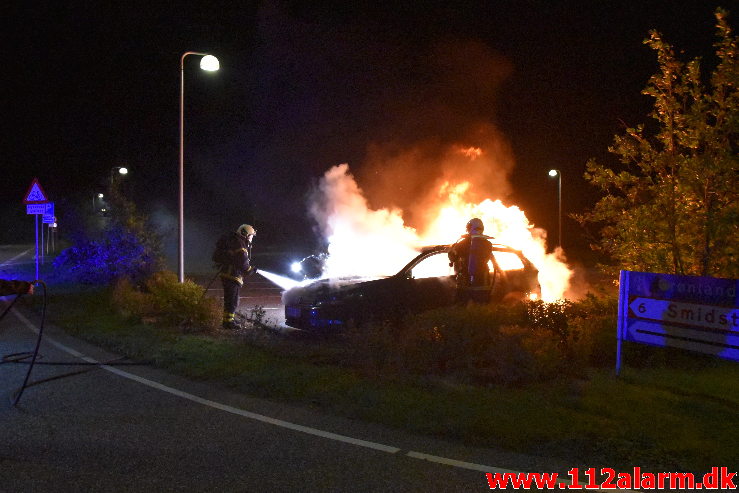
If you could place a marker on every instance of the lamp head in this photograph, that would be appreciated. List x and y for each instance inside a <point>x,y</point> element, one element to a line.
<point>209,63</point>
<point>553,172</point>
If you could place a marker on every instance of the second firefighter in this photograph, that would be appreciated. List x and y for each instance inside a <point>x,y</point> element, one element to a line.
<point>470,256</point>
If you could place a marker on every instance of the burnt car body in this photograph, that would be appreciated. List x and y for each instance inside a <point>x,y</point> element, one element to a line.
<point>328,305</point>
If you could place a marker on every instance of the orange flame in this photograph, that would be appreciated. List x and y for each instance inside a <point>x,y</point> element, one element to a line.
<point>471,152</point>
<point>509,226</point>
<point>370,242</point>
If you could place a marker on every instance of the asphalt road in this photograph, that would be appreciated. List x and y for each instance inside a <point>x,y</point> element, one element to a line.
<point>137,428</point>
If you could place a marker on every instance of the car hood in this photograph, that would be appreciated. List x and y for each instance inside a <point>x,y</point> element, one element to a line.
<point>323,289</point>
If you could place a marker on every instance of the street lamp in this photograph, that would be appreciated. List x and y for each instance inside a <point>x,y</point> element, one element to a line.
<point>557,173</point>
<point>208,63</point>
<point>94,206</point>
<point>121,171</point>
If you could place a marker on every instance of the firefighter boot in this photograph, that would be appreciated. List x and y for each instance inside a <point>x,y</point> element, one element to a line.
<point>229,322</point>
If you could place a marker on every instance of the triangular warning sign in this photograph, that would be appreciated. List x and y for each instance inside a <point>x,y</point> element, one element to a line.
<point>35,194</point>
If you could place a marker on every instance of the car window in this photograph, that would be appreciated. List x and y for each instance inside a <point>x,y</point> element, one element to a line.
<point>436,265</point>
<point>508,260</point>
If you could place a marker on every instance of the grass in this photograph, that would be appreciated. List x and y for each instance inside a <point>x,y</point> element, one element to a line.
<point>679,416</point>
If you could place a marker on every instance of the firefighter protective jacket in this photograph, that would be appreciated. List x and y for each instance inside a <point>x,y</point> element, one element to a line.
<point>237,249</point>
<point>470,256</point>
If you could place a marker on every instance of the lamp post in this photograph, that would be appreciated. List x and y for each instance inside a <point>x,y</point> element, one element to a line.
<point>208,63</point>
<point>557,173</point>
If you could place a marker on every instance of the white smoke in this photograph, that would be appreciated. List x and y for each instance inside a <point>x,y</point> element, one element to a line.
<point>361,241</point>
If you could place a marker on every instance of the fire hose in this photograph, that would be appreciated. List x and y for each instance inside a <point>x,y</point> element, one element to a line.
<point>205,291</point>
<point>22,357</point>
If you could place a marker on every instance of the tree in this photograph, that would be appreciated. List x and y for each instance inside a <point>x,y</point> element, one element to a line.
<point>673,207</point>
<point>126,247</point>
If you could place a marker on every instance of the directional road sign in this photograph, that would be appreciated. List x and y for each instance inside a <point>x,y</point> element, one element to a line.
<point>677,313</point>
<point>46,209</point>
<point>689,312</point>
<point>36,209</point>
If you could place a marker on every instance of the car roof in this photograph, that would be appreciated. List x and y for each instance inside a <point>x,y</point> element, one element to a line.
<point>434,249</point>
<point>497,247</point>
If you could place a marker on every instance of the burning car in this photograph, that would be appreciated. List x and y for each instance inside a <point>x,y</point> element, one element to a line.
<point>426,282</point>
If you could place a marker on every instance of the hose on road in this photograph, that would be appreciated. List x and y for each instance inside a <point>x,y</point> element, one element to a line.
<point>21,358</point>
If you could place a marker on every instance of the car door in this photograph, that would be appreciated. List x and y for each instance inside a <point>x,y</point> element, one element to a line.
<point>430,283</point>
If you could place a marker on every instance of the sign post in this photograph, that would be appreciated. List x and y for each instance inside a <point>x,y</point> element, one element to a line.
<point>689,312</point>
<point>36,204</point>
<point>46,218</point>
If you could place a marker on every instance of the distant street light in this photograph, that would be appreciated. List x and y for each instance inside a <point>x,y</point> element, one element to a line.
<point>208,63</point>
<point>122,171</point>
<point>97,196</point>
<point>557,173</point>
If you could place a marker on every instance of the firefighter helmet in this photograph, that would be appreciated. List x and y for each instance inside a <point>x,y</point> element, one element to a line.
<point>246,230</point>
<point>475,225</point>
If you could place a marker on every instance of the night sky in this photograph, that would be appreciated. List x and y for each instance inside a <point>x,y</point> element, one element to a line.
<point>304,86</point>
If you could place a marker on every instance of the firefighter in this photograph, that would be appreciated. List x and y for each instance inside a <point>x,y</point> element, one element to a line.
<point>233,257</point>
<point>8,287</point>
<point>470,256</point>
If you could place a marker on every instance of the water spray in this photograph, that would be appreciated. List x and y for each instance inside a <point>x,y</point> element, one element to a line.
<point>283,282</point>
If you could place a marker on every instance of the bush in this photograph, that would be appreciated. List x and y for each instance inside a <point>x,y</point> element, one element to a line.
<point>118,254</point>
<point>585,330</point>
<point>493,344</point>
<point>166,302</point>
<point>474,343</point>
<point>592,331</point>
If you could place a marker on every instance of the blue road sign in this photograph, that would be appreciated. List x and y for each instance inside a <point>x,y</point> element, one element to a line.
<point>35,208</point>
<point>689,312</point>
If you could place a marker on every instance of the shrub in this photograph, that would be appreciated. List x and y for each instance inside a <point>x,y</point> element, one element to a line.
<point>468,343</point>
<point>592,331</point>
<point>118,254</point>
<point>585,330</point>
<point>165,301</point>
<point>493,344</point>
<point>130,301</point>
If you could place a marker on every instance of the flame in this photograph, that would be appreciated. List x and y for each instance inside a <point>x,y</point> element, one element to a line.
<point>471,152</point>
<point>367,242</point>
<point>509,226</point>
